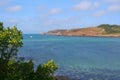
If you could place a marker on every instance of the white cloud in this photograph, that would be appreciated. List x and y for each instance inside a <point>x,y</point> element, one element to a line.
<point>14,8</point>
<point>42,7</point>
<point>82,6</point>
<point>62,21</point>
<point>28,20</point>
<point>111,8</point>
<point>4,2</point>
<point>49,22</point>
<point>86,5</point>
<point>69,20</point>
<point>13,21</point>
<point>114,8</point>
<point>100,13</point>
<point>96,4</point>
<point>55,11</point>
<point>112,0</point>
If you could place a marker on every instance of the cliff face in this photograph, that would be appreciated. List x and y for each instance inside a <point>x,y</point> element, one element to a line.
<point>102,30</point>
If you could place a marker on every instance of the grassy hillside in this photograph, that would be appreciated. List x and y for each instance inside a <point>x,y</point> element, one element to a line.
<point>101,30</point>
<point>110,29</point>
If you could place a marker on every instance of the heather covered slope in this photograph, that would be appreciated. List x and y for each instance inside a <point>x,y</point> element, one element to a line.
<point>101,30</point>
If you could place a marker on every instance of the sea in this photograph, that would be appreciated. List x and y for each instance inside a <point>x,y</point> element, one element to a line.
<point>79,58</point>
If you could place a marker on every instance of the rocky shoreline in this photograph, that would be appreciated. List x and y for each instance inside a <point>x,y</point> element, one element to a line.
<point>114,36</point>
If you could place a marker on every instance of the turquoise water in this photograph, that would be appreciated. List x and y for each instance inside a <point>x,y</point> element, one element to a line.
<point>77,57</point>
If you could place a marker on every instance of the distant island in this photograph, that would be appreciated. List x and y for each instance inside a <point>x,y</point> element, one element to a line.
<point>104,30</point>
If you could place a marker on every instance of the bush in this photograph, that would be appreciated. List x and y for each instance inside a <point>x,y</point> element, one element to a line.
<point>14,68</point>
<point>110,28</point>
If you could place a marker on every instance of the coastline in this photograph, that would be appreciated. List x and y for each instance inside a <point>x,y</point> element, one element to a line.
<point>98,31</point>
<point>106,36</point>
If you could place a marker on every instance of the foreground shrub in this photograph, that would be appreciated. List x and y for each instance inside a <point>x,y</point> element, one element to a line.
<point>14,68</point>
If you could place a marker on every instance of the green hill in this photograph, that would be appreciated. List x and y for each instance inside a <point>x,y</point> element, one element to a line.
<point>110,29</point>
<point>104,30</point>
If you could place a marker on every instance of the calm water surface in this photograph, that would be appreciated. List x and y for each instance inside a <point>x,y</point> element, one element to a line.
<point>82,58</point>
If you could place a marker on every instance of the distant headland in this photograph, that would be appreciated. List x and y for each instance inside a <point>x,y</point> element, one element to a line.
<point>104,30</point>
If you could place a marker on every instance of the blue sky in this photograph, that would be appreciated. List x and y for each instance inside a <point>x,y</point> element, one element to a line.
<point>37,16</point>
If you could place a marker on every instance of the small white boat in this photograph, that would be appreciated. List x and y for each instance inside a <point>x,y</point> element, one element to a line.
<point>30,36</point>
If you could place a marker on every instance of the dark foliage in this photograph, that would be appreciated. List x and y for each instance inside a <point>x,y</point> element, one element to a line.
<point>110,28</point>
<point>14,68</point>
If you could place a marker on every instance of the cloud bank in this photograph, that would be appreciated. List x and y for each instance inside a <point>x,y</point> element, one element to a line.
<point>55,11</point>
<point>85,5</point>
<point>14,8</point>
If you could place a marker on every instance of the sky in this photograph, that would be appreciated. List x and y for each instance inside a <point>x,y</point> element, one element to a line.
<point>38,16</point>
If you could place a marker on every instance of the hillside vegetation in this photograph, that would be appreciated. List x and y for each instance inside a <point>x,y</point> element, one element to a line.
<point>109,29</point>
<point>101,30</point>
